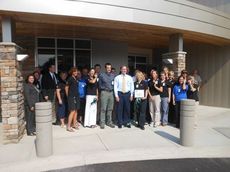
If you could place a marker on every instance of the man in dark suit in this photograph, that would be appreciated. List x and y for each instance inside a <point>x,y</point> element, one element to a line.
<point>49,84</point>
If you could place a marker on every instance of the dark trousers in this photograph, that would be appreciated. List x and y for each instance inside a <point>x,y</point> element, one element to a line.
<point>30,120</point>
<point>148,116</point>
<point>82,109</point>
<point>123,108</point>
<point>171,116</point>
<point>177,114</point>
<point>141,112</point>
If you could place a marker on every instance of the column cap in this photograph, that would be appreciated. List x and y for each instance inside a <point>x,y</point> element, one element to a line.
<point>175,53</point>
<point>7,44</point>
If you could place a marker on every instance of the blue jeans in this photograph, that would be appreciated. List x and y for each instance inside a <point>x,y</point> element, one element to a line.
<point>164,110</point>
<point>123,108</point>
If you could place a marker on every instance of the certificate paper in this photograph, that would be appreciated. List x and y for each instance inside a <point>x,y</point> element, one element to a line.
<point>139,93</point>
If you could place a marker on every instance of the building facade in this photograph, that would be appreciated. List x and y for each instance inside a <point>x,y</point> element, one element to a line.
<point>141,34</point>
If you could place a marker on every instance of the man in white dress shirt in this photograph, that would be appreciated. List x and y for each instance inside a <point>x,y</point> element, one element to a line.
<point>123,90</point>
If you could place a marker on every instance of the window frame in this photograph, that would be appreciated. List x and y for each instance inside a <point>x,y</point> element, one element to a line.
<point>56,49</point>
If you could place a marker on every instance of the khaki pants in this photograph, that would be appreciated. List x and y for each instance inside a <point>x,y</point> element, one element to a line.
<point>154,109</point>
<point>107,102</point>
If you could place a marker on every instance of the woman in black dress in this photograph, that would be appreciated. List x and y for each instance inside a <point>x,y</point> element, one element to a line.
<point>61,97</point>
<point>73,99</point>
<point>31,97</point>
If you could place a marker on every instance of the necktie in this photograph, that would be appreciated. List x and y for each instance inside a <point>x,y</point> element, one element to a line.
<point>53,77</point>
<point>123,84</point>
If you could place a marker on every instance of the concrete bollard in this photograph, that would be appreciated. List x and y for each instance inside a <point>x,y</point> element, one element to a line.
<point>187,119</point>
<point>44,133</point>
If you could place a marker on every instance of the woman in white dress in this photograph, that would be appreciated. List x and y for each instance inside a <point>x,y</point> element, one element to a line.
<point>91,100</point>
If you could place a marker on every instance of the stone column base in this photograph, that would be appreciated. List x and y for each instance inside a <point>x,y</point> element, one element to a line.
<point>12,99</point>
<point>178,61</point>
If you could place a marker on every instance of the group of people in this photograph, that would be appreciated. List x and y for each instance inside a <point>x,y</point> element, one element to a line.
<point>92,97</point>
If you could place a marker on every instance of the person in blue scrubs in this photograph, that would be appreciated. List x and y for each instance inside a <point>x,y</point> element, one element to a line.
<point>179,93</point>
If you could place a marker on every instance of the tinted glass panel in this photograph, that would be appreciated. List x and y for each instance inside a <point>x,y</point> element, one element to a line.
<point>65,60</point>
<point>46,42</point>
<point>131,59</point>
<point>140,59</point>
<point>45,57</point>
<point>65,43</point>
<point>83,44</point>
<point>83,58</point>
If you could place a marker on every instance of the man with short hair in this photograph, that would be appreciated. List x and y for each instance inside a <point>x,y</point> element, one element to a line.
<point>84,74</point>
<point>106,80</point>
<point>97,68</point>
<point>49,84</point>
<point>123,90</point>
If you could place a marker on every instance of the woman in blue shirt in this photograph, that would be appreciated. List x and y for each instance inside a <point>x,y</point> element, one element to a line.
<point>179,93</point>
<point>82,94</point>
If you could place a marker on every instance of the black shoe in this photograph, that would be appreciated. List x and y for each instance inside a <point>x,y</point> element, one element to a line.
<point>164,124</point>
<point>111,125</point>
<point>102,127</point>
<point>142,127</point>
<point>128,126</point>
<point>119,126</point>
<point>56,123</point>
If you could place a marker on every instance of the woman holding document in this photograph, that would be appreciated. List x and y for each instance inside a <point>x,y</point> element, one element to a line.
<point>140,95</point>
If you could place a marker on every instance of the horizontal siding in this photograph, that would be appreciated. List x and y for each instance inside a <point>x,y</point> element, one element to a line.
<point>213,64</point>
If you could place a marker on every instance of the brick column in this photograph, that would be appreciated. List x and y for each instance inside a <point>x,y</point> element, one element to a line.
<point>12,100</point>
<point>179,61</point>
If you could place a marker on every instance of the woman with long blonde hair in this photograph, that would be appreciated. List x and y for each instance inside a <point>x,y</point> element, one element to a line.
<point>140,95</point>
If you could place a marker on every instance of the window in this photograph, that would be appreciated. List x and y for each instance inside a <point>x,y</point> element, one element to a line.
<point>46,42</point>
<point>65,53</point>
<point>45,56</point>
<point>137,62</point>
<point>65,60</point>
<point>83,58</point>
<point>82,44</point>
<point>64,43</point>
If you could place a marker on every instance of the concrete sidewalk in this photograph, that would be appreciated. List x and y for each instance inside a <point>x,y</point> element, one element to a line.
<point>90,146</point>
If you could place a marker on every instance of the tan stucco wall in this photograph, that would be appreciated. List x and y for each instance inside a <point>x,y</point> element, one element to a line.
<point>214,65</point>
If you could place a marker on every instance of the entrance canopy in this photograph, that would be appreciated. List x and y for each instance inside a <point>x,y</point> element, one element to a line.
<point>138,35</point>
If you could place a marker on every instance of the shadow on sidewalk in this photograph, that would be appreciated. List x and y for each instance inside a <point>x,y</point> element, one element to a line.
<point>165,165</point>
<point>168,136</point>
